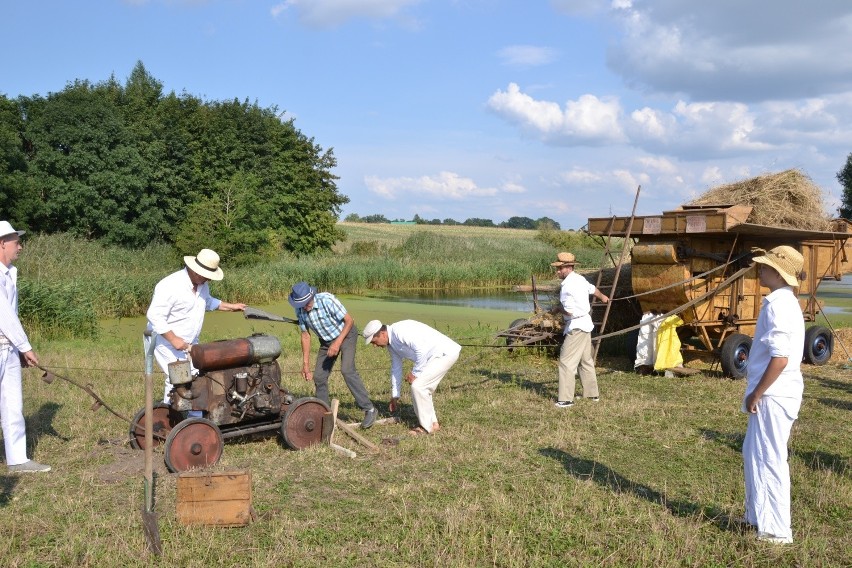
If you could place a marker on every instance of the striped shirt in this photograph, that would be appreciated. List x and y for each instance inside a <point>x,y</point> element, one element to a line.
<point>325,317</point>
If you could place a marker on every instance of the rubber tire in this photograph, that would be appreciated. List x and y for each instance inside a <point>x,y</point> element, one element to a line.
<point>819,344</point>
<point>734,365</point>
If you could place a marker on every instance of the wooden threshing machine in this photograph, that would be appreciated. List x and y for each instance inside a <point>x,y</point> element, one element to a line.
<point>696,262</point>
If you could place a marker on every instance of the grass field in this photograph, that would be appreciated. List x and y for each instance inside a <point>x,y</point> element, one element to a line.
<point>650,476</point>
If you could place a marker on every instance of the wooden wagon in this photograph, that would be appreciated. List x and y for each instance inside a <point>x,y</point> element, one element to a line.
<point>696,262</point>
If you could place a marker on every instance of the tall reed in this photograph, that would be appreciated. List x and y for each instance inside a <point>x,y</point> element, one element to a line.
<point>71,283</point>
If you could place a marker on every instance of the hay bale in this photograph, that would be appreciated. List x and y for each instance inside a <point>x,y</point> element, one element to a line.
<point>787,199</point>
<point>842,346</point>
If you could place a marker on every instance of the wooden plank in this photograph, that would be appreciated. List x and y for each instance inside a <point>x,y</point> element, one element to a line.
<point>344,451</point>
<point>356,436</point>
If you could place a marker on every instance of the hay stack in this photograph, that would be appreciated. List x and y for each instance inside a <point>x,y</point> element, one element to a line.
<point>786,199</point>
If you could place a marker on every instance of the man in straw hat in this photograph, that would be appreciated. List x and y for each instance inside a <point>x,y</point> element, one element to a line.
<point>773,394</point>
<point>576,353</point>
<point>325,315</point>
<point>177,308</point>
<point>432,353</point>
<point>15,350</point>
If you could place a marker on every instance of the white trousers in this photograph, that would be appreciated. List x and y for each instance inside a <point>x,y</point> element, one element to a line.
<point>767,473</point>
<point>424,387</point>
<point>12,406</point>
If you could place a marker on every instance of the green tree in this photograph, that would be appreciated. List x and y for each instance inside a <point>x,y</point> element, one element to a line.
<point>130,165</point>
<point>376,218</point>
<point>844,176</point>
<point>477,222</point>
<point>547,223</point>
<point>518,223</point>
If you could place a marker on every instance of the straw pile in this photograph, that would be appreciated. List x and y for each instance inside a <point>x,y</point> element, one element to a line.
<point>787,199</point>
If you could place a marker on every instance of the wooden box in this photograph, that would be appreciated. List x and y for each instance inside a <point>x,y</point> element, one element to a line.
<point>215,498</point>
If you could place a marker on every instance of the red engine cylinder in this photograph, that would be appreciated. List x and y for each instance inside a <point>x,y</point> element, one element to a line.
<point>224,354</point>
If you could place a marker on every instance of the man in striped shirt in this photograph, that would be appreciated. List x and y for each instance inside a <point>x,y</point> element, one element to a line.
<point>324,315</point>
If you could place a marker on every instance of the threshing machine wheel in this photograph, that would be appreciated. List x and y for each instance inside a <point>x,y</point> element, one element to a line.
<point>164,421</point>
<point>195,442</point>
<point>734,355</point>
<point>302,423</point>
<point>818,345</point>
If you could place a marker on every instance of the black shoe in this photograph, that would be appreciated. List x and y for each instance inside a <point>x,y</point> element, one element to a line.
<point>369,418</point>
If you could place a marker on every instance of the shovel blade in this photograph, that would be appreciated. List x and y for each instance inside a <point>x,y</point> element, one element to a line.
<point>152,532</point>
<point>254,313</point>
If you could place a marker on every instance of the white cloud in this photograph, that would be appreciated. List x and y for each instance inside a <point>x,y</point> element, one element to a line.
<point>330,13</point>
<point>734,50</point>
<point>526,55</point>
<point>512,187</point>
<point>445,185</point>
<point>586,121</point>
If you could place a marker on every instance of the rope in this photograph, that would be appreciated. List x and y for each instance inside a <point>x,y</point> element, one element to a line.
<point>88,388</point>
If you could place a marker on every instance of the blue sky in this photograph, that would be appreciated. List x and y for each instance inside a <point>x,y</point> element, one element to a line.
<point>489,108</point>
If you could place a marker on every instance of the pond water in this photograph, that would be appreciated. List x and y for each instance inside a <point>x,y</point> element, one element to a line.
<point>837,295</point>
<point>483,299</point>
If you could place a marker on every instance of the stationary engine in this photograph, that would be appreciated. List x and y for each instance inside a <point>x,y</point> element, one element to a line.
<point>238,381</point>
<point>234,390</point>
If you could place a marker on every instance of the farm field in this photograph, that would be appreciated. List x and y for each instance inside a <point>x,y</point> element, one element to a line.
<point>650,476</point>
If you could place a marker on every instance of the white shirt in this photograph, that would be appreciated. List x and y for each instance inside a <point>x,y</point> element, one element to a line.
<point>574,297</point>
<point>10,325</point>
<point>417,342</point>
<point>177,308</point>
<point>780,332</point>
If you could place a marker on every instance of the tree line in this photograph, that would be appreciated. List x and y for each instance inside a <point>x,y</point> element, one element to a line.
<point>542,223</point>
<point>131,165</point>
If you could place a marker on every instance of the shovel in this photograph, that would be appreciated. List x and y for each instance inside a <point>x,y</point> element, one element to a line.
<point>149,517</point>
<point>254,313</point>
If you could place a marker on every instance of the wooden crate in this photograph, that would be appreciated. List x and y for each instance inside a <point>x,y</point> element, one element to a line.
<point>215,498</point>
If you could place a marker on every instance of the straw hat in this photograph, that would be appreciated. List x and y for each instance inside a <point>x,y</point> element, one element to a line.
<point>300,294</point>
<point>206,264</point>
<point>6,229</point>
<point>786,260</point>
<point>564,259</point>
<point>371,329</point>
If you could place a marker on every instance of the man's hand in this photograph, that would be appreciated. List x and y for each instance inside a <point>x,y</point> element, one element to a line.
<point>751,402</point>
<point>29,359</point>
<point>393,406</point>
<point>334,348</point>
<point>179,344</point>
<point>307,374</point>
<point>410,378</point>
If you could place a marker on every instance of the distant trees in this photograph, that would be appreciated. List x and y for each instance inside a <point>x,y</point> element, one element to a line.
<point>844,176</point>
<point>130,165</point>
<point>512,223</point>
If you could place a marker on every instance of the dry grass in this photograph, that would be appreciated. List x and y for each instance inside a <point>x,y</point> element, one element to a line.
<point>650,476</point>
<point>785,199</point>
